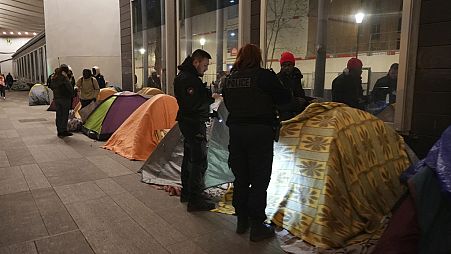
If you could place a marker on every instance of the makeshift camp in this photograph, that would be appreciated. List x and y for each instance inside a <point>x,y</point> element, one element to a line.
<point>150,91</point>
<point>138,136</point>
<point>422,222</point>
<point>39,95</point>
<point>335,175</point>
<point>110,114</point>
<point>105,93</point>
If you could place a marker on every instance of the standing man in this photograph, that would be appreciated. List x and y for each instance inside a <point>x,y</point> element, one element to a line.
<point>9,81</point>
<point>88,87</point>
<point>251,95</point>
<point>194,101</point>
<point>291,78</point>
<point>386,85</point>
<point>347,87</point>
<point>99,77</point>
<point>62,92</point>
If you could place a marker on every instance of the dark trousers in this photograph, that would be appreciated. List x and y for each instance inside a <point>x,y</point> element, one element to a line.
<point>194,162</point>
<point>62,114</point>
<point>85,103</point>
<point>2,91</point>
<point>251,154</point>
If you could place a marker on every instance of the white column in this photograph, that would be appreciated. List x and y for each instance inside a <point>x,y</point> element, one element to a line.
<point>84,33</point>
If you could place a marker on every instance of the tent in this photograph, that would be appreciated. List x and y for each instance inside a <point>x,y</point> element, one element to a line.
<point>335,175</point>
<point>150,91</point>
<point>138,136</point>
<point>105,93</point>
<point>39,95</point>
<point>163,166</point>
<point>421,223</point>
<point>110,114</point>
<point>75,102</point>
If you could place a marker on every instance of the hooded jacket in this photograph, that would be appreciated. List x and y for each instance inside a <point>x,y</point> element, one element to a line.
<point>348,89</point>
<point>192,96</point>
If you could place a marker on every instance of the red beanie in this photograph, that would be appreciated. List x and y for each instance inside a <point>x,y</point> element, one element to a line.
<point>354,63</point>
<point>287,57</point>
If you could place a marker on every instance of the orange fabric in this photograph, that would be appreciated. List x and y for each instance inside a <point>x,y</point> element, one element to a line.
<point>138,136</point>
<point>150,91</point>
<point>105,93</point>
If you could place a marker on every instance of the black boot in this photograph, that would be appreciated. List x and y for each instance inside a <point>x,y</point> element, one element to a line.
<point>200,205</point>
<point>242,224</point>
<point>261,231</point>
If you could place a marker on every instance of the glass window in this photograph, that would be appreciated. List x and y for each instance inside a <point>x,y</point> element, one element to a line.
<point>148,43</point>
<point>212,26</point>
<point>292,26</point>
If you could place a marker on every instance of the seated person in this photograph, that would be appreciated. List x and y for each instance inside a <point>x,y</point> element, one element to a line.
<point>386,86</point>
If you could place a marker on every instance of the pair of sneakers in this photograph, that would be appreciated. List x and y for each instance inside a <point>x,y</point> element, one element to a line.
<point>259,230</point>
<point>204,203</point>
<point>64,134</point>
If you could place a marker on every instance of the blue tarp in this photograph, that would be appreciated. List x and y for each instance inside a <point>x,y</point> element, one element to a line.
<point>439,160</point>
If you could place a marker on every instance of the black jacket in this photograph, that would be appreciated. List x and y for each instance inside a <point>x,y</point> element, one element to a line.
<point>384,86</point>
<point>299,101</point>
<point>269,85</point>
<point>348,89</point>
<point>9,79</point>
<point>192,96</point>
<point>101,81</point>
<point>61,87</point>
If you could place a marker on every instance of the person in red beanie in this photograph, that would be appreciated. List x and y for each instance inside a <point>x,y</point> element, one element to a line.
<point>347,87</point>
<point>291,78</point>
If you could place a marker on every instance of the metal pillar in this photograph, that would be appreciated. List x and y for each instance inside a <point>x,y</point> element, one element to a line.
<point>219,37</point>
<point>321,45</point>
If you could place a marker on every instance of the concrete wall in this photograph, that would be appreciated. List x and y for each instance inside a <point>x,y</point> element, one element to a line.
<point>9,45</point>
<point>82,34</point>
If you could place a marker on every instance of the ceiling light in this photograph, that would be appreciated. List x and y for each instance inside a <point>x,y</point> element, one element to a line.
<point>19,33</point>
<point>4,32</point>
<point>11,33</point>
<point>34,33</point>
<point>232,1</point>
<point>232,34</point>
<point>26,33</point>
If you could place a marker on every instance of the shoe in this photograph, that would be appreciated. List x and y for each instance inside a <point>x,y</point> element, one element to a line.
<point>261,231</point>
<point>201,205</point>
<point>242,224</point>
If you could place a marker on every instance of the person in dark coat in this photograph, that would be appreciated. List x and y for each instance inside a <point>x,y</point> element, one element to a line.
<point>99,77</point>
<point>154,81</point>
<point>347,87</point>
<point>386,85</point>
<point>251,95</point>
<point>9,80</point>
<point>63,92</point>
<point>194,101</point>
<point>291,78</point>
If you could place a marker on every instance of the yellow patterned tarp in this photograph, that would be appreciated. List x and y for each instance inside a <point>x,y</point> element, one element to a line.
<point>335,175</point>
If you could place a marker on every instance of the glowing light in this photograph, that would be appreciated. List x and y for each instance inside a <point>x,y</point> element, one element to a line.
<point>232,34</point>
<point>202,41</point>
<point>34,33</point>
<point>11,33</point>
<point>19,33</point>
<point>142,51</point>
<point>26,33</point>
<point>359,17</point>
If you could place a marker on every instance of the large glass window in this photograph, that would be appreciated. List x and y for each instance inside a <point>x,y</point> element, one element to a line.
<point>148,42</point>
<point>212,26</point>
<point>292,26</point>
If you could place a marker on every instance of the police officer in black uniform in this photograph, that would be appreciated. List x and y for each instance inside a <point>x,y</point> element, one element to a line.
<point>194,101</point>
<point>251,95</point>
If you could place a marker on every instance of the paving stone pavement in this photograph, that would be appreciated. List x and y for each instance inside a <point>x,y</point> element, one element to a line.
<point>70,196</point>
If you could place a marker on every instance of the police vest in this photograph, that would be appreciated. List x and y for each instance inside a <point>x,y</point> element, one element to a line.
<point>243,98</point>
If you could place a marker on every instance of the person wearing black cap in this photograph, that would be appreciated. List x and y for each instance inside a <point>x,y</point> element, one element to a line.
<point>347,87</point>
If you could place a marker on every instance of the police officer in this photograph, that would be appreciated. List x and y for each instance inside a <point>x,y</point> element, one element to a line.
<point>194,101</point>
<point>251,94</point>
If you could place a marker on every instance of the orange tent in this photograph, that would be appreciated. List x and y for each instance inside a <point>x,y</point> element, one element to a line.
<point>138,136</point>
<point>105,93</point>
<point>150,91</point>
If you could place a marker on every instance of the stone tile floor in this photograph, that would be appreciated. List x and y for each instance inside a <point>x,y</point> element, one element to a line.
<point>70,196</point>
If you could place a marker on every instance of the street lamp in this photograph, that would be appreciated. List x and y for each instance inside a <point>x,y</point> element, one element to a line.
<point>202,42</point>
<point>358,20</point>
